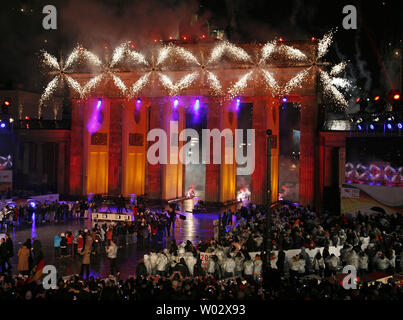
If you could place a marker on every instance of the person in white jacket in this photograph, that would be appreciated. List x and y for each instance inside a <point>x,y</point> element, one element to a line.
<point>153,262</point>
<point>318,264</point>
<point>239,259</point>
<point>162,263</point>
<point>147,263</point>
<point>248,269</point>
<point>190,261</point>
<point>229,267</point>
<point>294,265</point>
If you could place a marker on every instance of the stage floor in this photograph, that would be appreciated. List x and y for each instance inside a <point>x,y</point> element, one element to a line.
<point>196,227</point>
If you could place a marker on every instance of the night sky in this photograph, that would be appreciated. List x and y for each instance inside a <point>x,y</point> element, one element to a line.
<point>94,23</point>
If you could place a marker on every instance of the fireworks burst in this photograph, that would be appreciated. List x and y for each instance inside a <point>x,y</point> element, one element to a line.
<point>341,83</point>
<point>270,81</point>
<point>338,68</point>
<point>267,50</point>
<point>184,54</point>
<point>292,53</point>
<point>50,88</point>
<point>214,83</point>
<point>240,85</point>
<point>296,81</point>
<point>74,85</point>
<point>50,61</point>
<point>119,83</point>
<point>124,49</point>
<point>232,50</point>
<point>91,84</point>
<point>330,90</point>
<point>325,43</point>
<point>138,85</point>
<point>183,83</point>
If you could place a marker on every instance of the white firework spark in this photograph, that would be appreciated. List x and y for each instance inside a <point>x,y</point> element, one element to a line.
<point>74,84</point>
<point>50,61</point>
<point>91,57</point>
<point>214,83</point>
<point>78,52</point>
<point>235,52</point>
<point>183,83</point>
<point>296,81</point>
<point>186,55</point>
<point>181,52</point>
<point>138,85</point>
<point>50,88</point>
<point>118,53</point>
<point>124,49</point>
<point>240,85</point>
<point>163,54</point>
<point>270,81</point>
<point>119,83</point>
<point>72,57</point>
<point>91,84</point>
<point>267,50</point>
<point>341,83</point>
<point>338,68</point>
<point>325,43</point>
<point>330,90</point>
<point>292,53</point>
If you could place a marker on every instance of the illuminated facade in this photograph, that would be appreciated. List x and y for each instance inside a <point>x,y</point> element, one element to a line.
<point>110,157</point>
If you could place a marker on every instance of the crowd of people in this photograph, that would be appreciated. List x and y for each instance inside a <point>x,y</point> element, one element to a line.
<point>236,267</point>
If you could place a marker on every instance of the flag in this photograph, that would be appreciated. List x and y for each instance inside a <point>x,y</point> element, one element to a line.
<point>38,273</point>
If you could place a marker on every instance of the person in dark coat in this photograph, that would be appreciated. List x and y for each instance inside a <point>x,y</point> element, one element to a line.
<point>3,255</point>
<point>10,251</point>
<point>182,268</point>
<point>280,261</point>
<point>141,269</point>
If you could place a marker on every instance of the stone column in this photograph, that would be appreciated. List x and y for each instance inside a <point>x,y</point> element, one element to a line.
<point>213,170</point>
<point>76,149</point>
<point>115,148</point>
<point>154,183</point>
<point>228,120</point>
<point>309,165</point>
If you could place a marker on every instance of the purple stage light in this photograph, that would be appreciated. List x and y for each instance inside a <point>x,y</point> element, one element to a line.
<point>359,127</point>
<point>138,100</point>
<point>3,125</point>
<point>176,102</point>
<point>371,126</point>
<point>93,123</point>
<point>238,102</point>
<point>389,126</point>
<point>399,125</point>
<point>284,99</point>
<point>197,105</point>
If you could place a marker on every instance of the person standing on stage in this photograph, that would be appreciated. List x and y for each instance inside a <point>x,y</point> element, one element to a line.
<point>112,253</point>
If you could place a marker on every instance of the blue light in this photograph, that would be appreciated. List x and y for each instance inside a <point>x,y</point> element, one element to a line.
<point>389,126</point>
<point>399,125</point>
<point>359,127</point>
<point>238,102</point>
<point>284,99</point>
<point>176,102</point>
<point>371,126</point>
<point>3,125</point>
<point>197,105</point>
<point>138,100</point>
<point>99,103</point>
<point>32,204</point>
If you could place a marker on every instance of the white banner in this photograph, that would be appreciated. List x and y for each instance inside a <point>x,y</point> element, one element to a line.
<point>350,193</point>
